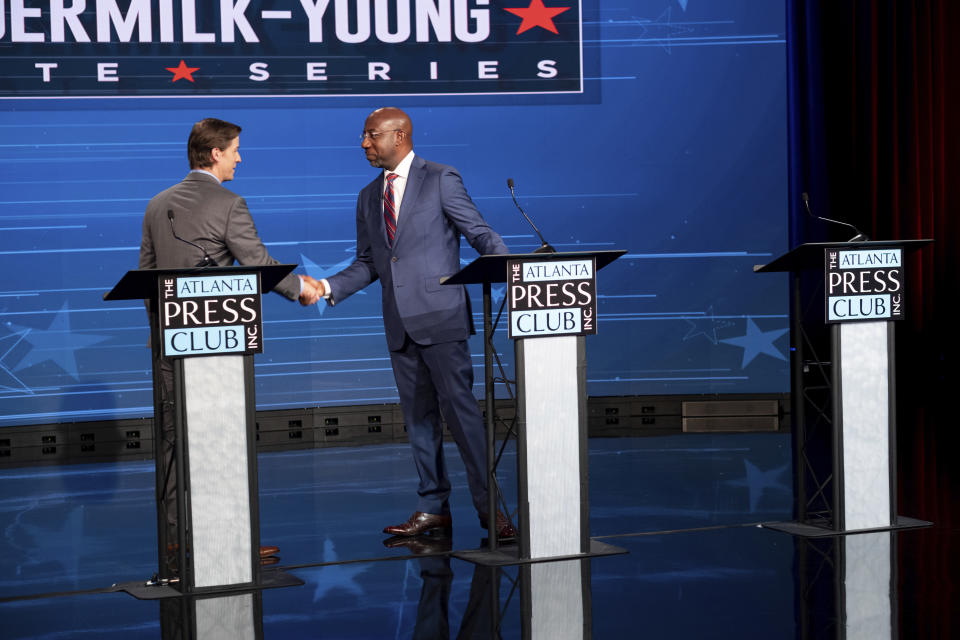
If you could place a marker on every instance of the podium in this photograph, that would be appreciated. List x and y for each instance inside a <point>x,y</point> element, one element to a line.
<point>211,325</point>
<point>864,290</point>
<point>552,427</point>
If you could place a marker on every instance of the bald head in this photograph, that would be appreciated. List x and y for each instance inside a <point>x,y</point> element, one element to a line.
<point>392,118</point>
<point>388,137</point>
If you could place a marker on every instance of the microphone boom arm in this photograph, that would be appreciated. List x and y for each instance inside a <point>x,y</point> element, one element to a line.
<point>544,245</point>
<point>207,260</point>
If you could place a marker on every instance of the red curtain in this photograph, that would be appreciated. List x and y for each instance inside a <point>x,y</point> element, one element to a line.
<point>891,100</point>
<point>891,113</point>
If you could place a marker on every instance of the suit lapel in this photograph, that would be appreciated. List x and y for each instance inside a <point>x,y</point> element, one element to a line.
<point>410,194</point>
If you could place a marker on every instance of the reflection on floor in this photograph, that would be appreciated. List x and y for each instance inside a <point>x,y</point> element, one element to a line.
<point>686,508</point>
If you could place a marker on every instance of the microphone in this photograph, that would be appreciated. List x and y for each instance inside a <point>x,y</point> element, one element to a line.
<point>860,237</point>
<point>207,260</point>
<point>544,247</point>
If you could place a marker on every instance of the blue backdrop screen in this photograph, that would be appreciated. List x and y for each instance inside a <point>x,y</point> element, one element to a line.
<point>675,151</point>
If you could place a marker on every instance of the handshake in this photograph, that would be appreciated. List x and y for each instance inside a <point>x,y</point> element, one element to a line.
<point>312,290</point>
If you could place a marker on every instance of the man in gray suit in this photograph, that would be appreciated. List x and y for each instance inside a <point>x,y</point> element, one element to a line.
<point>214,221</point>
<point>199,222</point>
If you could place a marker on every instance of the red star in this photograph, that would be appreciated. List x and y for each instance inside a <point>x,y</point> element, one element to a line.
<point>537,15</point>
<point>182,71</point>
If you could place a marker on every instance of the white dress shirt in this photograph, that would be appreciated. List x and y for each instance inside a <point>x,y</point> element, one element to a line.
<point>400,182</point>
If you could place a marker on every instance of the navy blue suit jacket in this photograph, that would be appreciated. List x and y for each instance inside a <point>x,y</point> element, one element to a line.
<point>434,212</point>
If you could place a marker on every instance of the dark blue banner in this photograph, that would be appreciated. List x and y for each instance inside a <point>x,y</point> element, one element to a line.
<point>162,48</point>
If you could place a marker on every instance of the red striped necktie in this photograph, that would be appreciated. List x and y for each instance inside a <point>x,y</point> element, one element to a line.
<point>390,208</point>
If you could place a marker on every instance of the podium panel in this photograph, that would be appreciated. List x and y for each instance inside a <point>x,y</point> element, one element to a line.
<point>217,454</point>
<point>864,422</point>
<point>551,409</point>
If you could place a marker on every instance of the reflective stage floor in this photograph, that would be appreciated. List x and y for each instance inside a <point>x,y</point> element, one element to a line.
<point>686,509</point>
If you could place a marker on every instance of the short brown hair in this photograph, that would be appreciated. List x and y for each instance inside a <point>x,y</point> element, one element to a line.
<point>207,135</point>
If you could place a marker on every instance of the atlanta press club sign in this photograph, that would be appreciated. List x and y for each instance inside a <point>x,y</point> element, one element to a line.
<point>110,48</point>
<point>552,297</point>
<point>211,315</point>
<point>864,284</point>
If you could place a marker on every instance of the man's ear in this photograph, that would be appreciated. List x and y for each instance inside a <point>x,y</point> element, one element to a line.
<point>216,154</point>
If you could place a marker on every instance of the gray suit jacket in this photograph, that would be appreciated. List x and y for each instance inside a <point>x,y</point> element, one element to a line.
<point>210,215</point>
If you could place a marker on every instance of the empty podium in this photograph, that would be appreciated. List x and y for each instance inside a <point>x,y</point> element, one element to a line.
<point>864,293</point>
<point>553,306</point>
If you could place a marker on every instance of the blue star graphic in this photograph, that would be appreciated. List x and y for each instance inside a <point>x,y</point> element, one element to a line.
<point>664,24</point>
<point>706,327</point>
<point>318,272</point>
<point>338,576</point>
<point>57,343</point>
<point>496,294</point>
<point>757,481</point>
<point>756,342</point>
<point>66,545</point>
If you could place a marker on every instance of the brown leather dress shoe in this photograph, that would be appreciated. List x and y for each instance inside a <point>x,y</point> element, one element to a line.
<point>266,552</point>
<point>420,523</point>
<point>505,530</point>
<point>421,545</point>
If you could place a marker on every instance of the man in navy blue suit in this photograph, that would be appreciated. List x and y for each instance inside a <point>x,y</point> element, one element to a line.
<point>409,223</point>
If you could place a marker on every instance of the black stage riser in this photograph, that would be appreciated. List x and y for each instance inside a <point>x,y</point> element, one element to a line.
<point>359,425</point>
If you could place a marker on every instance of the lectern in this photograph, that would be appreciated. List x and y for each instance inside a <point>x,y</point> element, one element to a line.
<point>551,396</point>
<point>207,322</point>
<point>864,293</point>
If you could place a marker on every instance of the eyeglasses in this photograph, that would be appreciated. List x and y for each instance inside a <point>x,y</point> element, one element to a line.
<point>373,135</point>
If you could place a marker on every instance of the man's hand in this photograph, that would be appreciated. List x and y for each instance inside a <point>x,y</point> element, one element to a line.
<point>316,284</point>
<point>312,291</point>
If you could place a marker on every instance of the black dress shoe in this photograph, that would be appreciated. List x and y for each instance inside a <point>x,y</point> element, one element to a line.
<point>421,523</point>
<point>505,530</point>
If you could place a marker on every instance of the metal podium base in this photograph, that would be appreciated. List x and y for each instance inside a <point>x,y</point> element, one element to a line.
<point>269,579</point>
<point>507,556</point>
<point>814,531</point>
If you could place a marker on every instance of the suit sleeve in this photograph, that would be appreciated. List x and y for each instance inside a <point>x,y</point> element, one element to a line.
<point>459,209</point>
<point>361,272</point>
<point>148,255</point>
<point>245,245</point>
